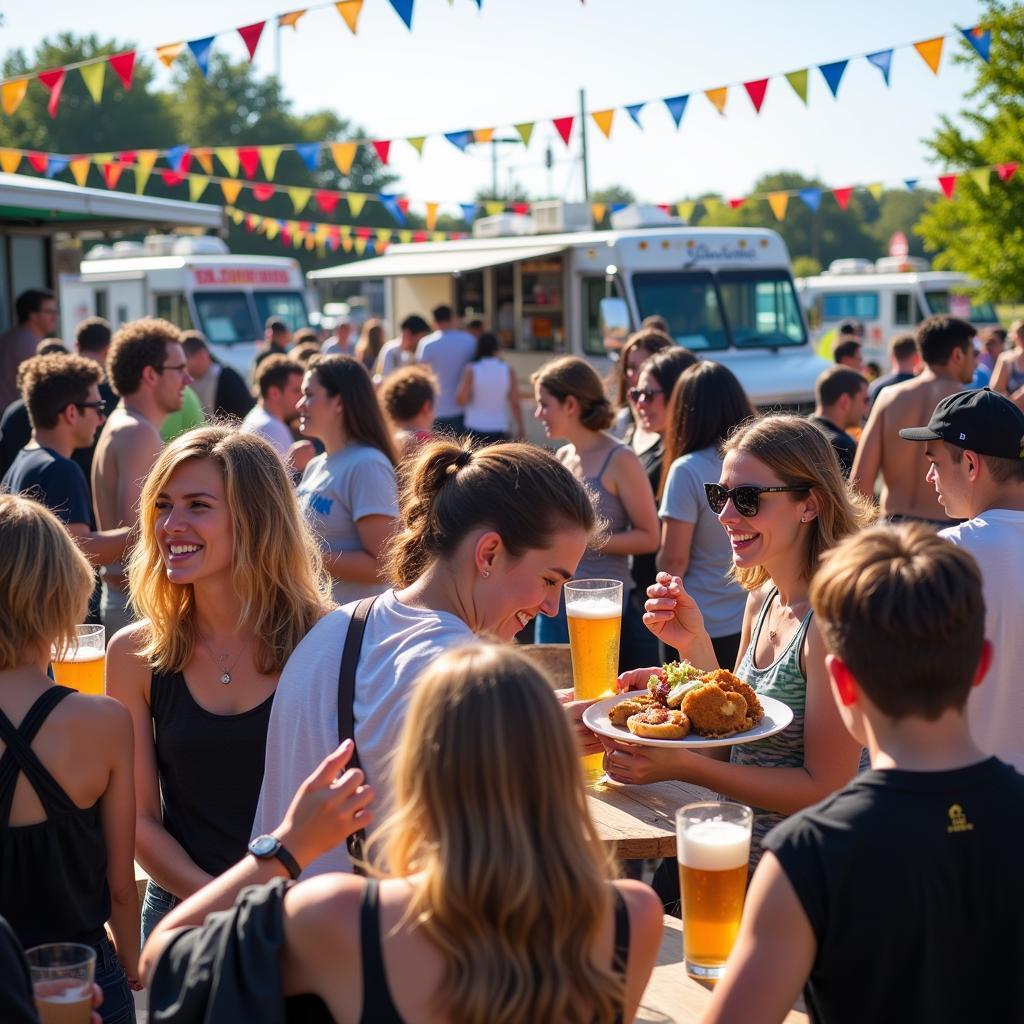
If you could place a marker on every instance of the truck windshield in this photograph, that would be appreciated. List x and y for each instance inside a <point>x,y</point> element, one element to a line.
<point>756,308</point>
<point>287,306</point>
<point>961,306</point>
<point>225,317</point>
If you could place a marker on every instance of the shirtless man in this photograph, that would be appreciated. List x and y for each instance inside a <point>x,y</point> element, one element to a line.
<point>947,349</point>
<point>146,366</point>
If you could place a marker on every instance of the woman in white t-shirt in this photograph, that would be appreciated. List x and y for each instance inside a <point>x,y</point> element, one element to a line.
<point>487,539</point>
<point>489,392</point>
<point>349,492</point>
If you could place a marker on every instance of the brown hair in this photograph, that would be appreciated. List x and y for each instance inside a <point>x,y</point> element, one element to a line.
<point>49,384</point>
<point>52,347</point>
<point>371,341</point>
<point>902,346</point>
<point>520,491</point>
<point>304,351</point>
<point>903,608</point>
<point>405,391</point>
<point>649,338</point>
<point>835,382</point>
<point>274,371</point>
<point>570,375</point>
<point>938,336</point>
<point>135,346</point>
<point>1002,471</point>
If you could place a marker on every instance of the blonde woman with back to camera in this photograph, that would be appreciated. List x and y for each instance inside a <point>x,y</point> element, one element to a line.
<point>449,931</point>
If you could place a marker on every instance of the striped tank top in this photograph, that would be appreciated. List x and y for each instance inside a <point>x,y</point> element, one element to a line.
<point>784,680</point>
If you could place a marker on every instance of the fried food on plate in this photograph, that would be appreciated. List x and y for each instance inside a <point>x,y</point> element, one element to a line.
<point>715,713</point>
<point>732,684</point>
<point>621,711</point>
<point>659,724</point>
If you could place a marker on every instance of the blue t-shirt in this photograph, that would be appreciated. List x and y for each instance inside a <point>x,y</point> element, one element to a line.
<point>53,481</point>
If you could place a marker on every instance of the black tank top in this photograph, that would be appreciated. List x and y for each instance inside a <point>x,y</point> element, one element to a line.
<point>211,770</point>
<point>378,1007</point>
<point>53,875</point>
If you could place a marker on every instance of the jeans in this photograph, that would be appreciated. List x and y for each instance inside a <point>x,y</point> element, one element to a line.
<point>156,905</point>
<point>118,1003</point>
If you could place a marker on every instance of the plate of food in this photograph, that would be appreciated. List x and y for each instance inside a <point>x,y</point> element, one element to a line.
<point>686,707</point>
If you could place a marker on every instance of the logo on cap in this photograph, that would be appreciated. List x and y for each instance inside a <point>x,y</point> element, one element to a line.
<point>963,437</point>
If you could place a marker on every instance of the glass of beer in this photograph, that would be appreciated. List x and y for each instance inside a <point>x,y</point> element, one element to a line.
<point>62,974</point>
<point>594,612</point>
<point>713,846</point>
<point>81,664</point>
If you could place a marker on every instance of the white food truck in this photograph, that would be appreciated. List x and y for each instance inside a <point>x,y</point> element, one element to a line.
<point>194,282</point>
<point>727,294</point>
<point>888,296</point>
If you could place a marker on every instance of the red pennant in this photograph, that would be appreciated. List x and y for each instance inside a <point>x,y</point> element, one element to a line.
<point>756,91</point>
<point>251,220</point>
<point>54,81</point>
<point>402,204</point>
<point>665,208</point>
<point>947,182</point>
<point>123,65</point>
<point>563,125</point>
<point>39,161</point>
<point>842,196</point>
<point>420,236</point>
<point>263,192</point>
<point>327,201</point>
<point>1006,171</point>
<point>111,174</point>
<point>735,204</point>
<point>335,238</point>
<point>251,37</point>
<point>184,163</point>
<point>382,146</point>
<point>286,236</point>
<point>171,177</point>
<point>304,225</point>
<point>127,156</point>
<point>249,158</point>
<point>364,233</point>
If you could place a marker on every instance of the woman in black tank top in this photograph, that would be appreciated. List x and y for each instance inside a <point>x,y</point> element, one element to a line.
<point>496,906</point>
<point>226,579</point>
<point>66,809</point>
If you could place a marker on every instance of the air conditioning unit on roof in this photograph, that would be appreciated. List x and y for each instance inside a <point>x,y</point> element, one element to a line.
<point>503,225</point>
<point>553,216</point>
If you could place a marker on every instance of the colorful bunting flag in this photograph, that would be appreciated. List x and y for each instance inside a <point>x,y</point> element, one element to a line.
<point>634,112</point>
<point>676,107</point>
<point>53,81</point>
<point>483,134</point>
<point>56,164</point>
<point>1006,171</point>
<point>228,156</point>
<point>291,18</point>
<point>842,196</point>
<point>111,174</point>
<point>356,202</point>
<point>9,160</point>
<point>403,8</point>
<point>382,148</point>
<point>525,131</point>
<point>798,80</point>
<point>931,52</point>
<point>718,97</point>
<point>80,170</point>
<point>349,10</point>
<point>309,152</point>
<point>391,204</point>
<point>196,186</point>
<point>231,190</point>
<point>735,204</point>
<point>520,208</point>
<point>833,75</point>
<point>980,40</point>
<point>361,242</point>
<point>947,182</point>
<point>201,51</point>
<point>494,208</point>
<point>343,153</point>
<point>603,119</point>
<point>169,53</point>
<point>251,37</point>
<point>205,159</point>
<point>711,204</point>
<point>685,210</point>
<point>563,125</point>
<point>468,212</point>
<point>778,201</point>
<point>92,75</point>
<point>883,61</point>
<point>460,140</point>
<point>911,183</point>
<point>431,216</point>
<point>249,158</point>
<point>12,93</point>
<point>145,161</point>
<point>811,198</point>
<point>263,192</point>
<point>269,155</point>
<point>405,237</point>
<point>175,157</point>
<point>300,197</point>
<point>327,201</point>
<point>417,143</point>
<point>597,211</point>
<point>756,91</point>
<point>123,65</point>
<point>982,178</point>
<point>876,188</point>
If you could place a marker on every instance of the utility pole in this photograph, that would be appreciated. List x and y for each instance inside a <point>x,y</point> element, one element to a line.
<point>583,139</point>
<point>494,143</point>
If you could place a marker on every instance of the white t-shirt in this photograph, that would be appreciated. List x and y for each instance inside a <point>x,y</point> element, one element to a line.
<point>446,353</point>
<point>392,357</point>
<point>995,709</point>
<point>259,421</point>
<point>398,644</point>
<point>488,405</point>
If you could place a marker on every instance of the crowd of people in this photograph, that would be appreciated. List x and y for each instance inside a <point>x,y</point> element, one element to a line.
<point>313,602</point>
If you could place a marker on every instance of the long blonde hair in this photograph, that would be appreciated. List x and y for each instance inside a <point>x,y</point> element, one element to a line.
<point>491,816</point>
<point>276,563</point>
<point>800,455</point>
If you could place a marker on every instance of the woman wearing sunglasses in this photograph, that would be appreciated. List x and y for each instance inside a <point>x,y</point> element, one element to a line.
<point>782,502</point>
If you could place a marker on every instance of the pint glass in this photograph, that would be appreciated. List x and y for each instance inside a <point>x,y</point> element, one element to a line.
<point>81,665</point>
<point>713,845</point>
<point>62,974</point>
<point>593,609</point>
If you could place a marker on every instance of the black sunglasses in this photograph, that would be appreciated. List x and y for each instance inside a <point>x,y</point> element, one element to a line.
<point>746,498</point>
<point>99,406</point>
<point>647,395</point>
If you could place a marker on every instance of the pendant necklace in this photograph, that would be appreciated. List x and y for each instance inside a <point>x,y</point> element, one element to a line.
<point>226,670</point>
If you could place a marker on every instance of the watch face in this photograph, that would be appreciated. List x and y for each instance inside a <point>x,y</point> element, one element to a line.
<point>263,846</point>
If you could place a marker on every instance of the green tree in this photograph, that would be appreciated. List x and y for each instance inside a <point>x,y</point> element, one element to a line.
<point>900,210</point>
<point>805,266</point>
<point>612,194</point>
<point>982,232</point>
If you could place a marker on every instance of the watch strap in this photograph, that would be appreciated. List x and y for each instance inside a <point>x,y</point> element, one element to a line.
<point>290,863</point>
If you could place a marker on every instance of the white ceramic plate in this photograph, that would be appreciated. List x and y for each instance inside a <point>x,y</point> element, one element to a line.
<point>776,717</point>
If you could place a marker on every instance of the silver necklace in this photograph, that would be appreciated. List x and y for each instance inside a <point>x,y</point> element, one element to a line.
<point>226,670</point>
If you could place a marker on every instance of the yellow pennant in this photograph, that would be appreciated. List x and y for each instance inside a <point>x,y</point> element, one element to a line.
<point>405,236</point>
<point>228,156</point>
<point>145,159</point>
<point>80,170</point>
<point>299,197</point>
<point>322,231</point>
<point>603,119</point>
<point>875,190</point>
<point>92,75</point>
<point>269,155</point>
<point>9,160</point>
<point>711,204</point>
<point>196,186</point>
<point>931,52</point>
<point>273,229</point>
<point>356,202</point>
<point>483,134</point>
<point>169,53</point>
<point>344,153</point>
<point>360,246</point>
<point>438,236</point>
<point>417,143</point>
<point>598,210</point>
<point>685,210</point>
<point>238,216</point>
<point>349,10</point>
<point>231,189</point>
<point>778,201</point>
<point>493,208</point>
<point>344,230</point>
<point>321,248</point>
<point>982,178</point>
<point>12,93</point>
<point>204,157</point>
<point>384,236</point>
<point>291,18</point>
<point>718,97</point>
<point>431,216</point>
<point>525,131</point>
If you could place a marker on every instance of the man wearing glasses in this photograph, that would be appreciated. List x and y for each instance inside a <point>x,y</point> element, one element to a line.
<point>36,310</point>
<point>61,393</point>
<point>147,369</point>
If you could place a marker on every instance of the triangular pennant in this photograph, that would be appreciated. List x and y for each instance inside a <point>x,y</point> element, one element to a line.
<point>344,153</point>
<point>204,157</point>
<point>483,134</point>
<point>842,196</point>
<point>931,52</point>
<point>299,197</point>
<point>327,201</point>
<point>123,65</point>
<point>685,209</point>
<point>875,189</point>
<point>111,174</point>
<point>228,156</point>
<point>361,242</point>
<point>53,81</point>
<point>392,204</point>
<point>603,119</point>
<point>798,80</point>
<point>403,204</point>
<point>911,183</point>
<point>1006,171</point>
<point>92,75</point>
<point>494,207</point>
<point>56,164</point>
<point>201,51</point>
<point>980,40</point>
<point>382,148</point>
<point>468,212</point>
<point>404,10</point>
<point>169,53</point>
<point>811,198</point>
<point>80,170</point>
<point>196,186</point>
<point>251,37</point>
<point>349,10</point>
<point>417,143</point>
<point>309,152</point>
<point>269,155</point>
<point>263,192</point>
<point>525,131</point>
<point>291,18</point>
<point>272,227</point>
<point>735,204</point>
<point>833,74</point>
<point>356,202</point>
<point>947,182</point>
<point>145,160</point>
<point>37,161</point>
<point>405,237</point>
<point>982,178</point>
<point>634,112</point>
<point>460,140</point>
<point>419,236</point>
<point>718,97</point>
<point>12,93</point>
<point>438,236</point>
<point>231,190</point>
<point>883,61</point>
<point>563,125</point>
<point>175,157</point>
<point>778,201</point>
<point>128,156</point>
<point>431,216</point>
<point>756,91</point>
<point>249,159</point>
<point>676,106</point>
<point>9,160</point>
<point>383,236</point>
<point>597,211</point>
<point>346,243</point>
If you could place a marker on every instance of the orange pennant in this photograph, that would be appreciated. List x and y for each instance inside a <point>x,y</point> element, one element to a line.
<point>483,134</point>
<point>12,93</point>
<point>718,97</point>
<point>344,153</point>
<point>349,10</point>
<point>291,18</point>
<point>169,53</point>
<point>598,211</point>
<point>231,189</point>
<point>931,52</point>
<point>431,216</point>
<point>204,157</point>
<point>603,119</point>
<point>778,201</point>
<point>9,160</point>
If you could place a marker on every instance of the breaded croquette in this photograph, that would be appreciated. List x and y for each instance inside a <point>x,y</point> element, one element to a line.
<point>621,711</point>
<point>659,723</point>
<point>715,713</point>
<point>732,684</point>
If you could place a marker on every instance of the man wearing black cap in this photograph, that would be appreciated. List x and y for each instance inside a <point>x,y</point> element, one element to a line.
<point>974,444</point>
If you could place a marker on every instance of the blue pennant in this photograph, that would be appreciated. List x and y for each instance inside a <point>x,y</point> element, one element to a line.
<point>982,42</point>
<point>460,140</point>
<point>911,183</point>
<point>618,206</point>
<point>390,203</point>
<point>310,153</point>
<point>833,73</point>
<point>634,112</point>
<point>676,105</point>
<point>56,164</point>
<point>404,10</point>
<point>201,51</point>
<point>883,61</point>
<point>175,155</point>
<point>811,198</point>
<point>468,212</point>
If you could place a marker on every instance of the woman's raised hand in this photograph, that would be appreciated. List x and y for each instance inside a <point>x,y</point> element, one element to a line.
<point>674,618</point>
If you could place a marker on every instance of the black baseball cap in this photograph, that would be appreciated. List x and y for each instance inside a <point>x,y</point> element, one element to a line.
<point>979,420</point>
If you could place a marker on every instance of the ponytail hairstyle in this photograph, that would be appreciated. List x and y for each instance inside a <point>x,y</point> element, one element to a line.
<point>571,376</point>
<point>448,489</point>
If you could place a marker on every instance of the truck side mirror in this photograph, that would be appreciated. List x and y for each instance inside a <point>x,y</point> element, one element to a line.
<point>613,321</point>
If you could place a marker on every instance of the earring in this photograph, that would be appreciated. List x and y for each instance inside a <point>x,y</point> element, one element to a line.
<point>485,573</point>
<point>803,519</point>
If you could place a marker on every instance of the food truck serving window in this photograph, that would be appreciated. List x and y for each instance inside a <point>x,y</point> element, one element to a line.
<point>287,306</point>
<point>225,317</point>
<point>689,302</point>
<point>761,308</point>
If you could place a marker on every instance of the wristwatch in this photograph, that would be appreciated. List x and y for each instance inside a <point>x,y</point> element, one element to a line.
<point>265,847</point>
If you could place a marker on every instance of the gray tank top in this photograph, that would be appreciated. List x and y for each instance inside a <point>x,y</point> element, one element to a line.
<point>594,564</point>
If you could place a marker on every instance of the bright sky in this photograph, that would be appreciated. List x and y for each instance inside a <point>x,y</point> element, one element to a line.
<point>524,60</point>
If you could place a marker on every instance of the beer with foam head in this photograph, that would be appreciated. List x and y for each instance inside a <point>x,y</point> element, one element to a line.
<point>713,846</point>
<point>82,665</point>
<point>62,975</point>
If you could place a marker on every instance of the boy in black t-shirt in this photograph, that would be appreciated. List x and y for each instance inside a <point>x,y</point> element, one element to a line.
<point>897,898</point>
